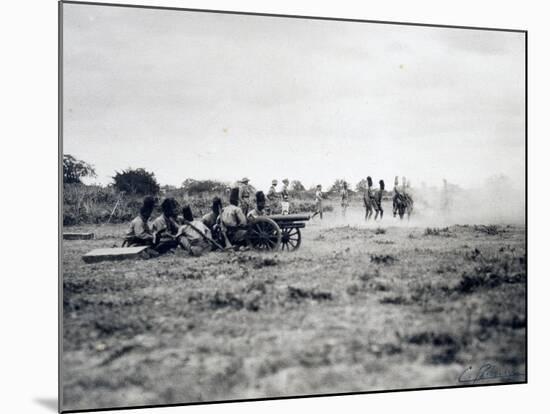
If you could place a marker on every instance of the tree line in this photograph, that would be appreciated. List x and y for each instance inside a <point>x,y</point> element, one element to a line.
<point>139,181</point>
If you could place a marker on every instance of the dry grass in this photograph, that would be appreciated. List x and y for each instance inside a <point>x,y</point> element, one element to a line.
<point>344,313</point>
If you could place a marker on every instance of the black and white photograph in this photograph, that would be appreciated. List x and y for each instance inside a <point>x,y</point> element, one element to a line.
<point>260,206</point>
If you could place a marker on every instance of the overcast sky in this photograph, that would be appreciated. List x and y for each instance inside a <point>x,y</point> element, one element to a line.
<point>201,95</point>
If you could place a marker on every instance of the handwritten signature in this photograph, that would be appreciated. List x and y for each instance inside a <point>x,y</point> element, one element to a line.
<point>486,372</point>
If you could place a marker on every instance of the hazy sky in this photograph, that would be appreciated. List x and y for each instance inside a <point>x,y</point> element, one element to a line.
<point>200,95</point>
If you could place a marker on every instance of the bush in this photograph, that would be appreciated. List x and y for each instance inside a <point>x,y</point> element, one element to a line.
<point>74,170</point>
<point>194,187</point>
<point>138,181</point>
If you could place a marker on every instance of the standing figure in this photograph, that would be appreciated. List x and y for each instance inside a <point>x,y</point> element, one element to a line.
<point>368,199</point>
<point>244,194</point>
<point>318,202</point>
<point>285,203</point>
<point>378,201</point>
<point>344,198</point>
<point>259,210</point>
<point>139,233</point>
<point>272,197</point>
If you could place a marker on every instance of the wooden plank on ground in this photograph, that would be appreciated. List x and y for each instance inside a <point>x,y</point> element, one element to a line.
<point>116,253</point>
<point>78,236</point>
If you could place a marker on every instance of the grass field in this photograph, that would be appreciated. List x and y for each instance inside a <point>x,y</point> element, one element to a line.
<point>357,308</point>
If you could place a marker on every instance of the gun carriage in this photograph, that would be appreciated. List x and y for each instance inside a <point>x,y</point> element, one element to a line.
<point>276,232</point>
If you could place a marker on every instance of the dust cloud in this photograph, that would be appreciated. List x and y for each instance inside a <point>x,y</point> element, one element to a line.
<point>495,201</point>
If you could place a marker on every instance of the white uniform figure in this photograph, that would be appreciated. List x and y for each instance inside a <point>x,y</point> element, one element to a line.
<point>285,203</point>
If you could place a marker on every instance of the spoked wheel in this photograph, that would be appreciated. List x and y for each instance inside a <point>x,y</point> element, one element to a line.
<point>264,234</point>
<point>290,238</point>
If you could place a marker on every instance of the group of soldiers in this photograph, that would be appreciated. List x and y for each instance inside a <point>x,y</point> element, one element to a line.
<point>274,198</point>
<point>372,198</point>
<point>225,226</point>
<point>222,227</point>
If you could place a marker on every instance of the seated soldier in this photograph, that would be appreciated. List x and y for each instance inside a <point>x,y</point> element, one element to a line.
<point>233,220</point>
<point>210,219</point>
<point>139,233</point>
<point>165,227</point>
<point>260,207</point>
<point>196,233</point>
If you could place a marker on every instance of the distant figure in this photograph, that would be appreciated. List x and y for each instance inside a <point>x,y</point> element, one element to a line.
<point>210,219</point>
<point>195,232</point>
<point>272,197</point>
<point>344,198</point>
<point>369,199</point>
<point>285,203</point>
<point>378,200</point>
<point>408,198</point>
<point>233,220</point>
<point>402,199</point>
<point>396,194</point>
<point>259,210</point>
<point>165,227</point>
<point>318,202</point>
<point>139,233</point>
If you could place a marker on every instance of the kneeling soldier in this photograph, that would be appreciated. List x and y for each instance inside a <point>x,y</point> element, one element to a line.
<point>260,207</point>
<point>139,233</point>
<point>165,227</point>
<point>233,220</point>
<point>195,232</point>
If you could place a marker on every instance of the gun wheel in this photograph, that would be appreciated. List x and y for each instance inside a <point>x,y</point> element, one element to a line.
<point>264,234</point>
<point>290,239</point>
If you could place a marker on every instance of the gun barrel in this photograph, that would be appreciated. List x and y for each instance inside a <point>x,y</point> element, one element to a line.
<point>290,217</point>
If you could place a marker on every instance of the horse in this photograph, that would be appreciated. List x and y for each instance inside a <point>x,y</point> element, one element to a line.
<point>368,202</point>
<point>373,203</point>
<point>403,204</point>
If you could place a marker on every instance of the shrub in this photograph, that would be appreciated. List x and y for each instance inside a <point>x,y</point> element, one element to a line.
<point>437,231</point>
<point>136,181</point>
<point>74,170</point>
<point>194,187</point>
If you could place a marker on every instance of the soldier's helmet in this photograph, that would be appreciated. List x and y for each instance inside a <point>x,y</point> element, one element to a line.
<point>285,181</point>
<point>245,180</point>
<point>274,182</point>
